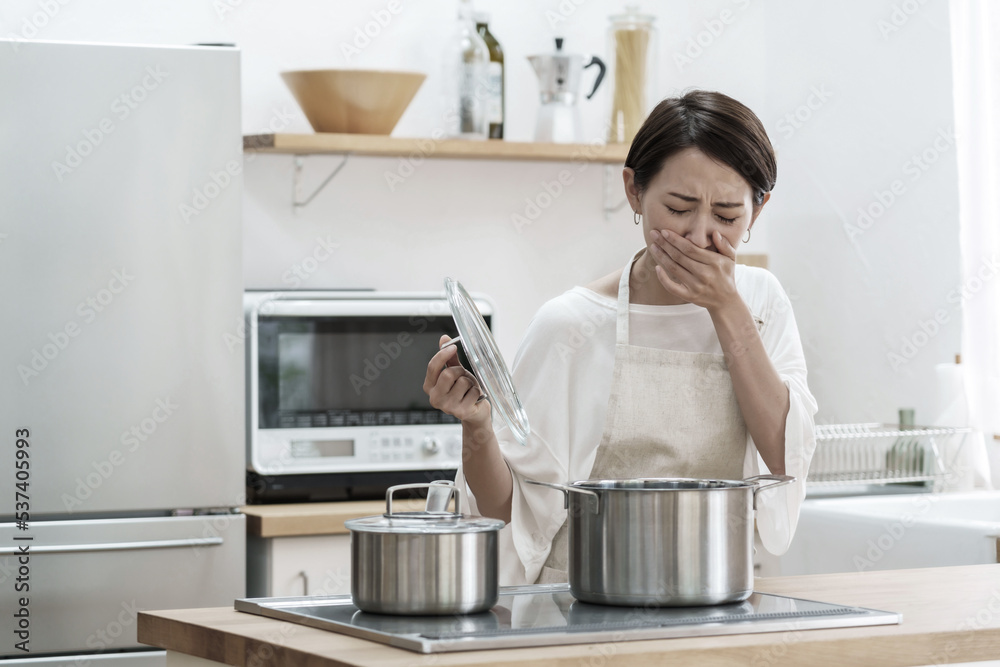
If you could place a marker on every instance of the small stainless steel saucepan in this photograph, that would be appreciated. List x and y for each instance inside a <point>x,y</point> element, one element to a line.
<point>424,563</point>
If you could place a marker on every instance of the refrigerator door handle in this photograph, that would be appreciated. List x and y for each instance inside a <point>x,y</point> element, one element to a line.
<point>115,546</point>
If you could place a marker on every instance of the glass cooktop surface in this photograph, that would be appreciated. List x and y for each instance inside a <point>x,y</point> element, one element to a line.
<point>546,615</point>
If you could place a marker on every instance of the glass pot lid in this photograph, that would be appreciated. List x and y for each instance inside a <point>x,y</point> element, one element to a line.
<point>486,360</point>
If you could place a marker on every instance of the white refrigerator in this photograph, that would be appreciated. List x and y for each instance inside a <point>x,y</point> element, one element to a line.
<point>121,404</point>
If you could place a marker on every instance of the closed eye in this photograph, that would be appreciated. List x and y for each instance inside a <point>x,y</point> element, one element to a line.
<point>675,211</point>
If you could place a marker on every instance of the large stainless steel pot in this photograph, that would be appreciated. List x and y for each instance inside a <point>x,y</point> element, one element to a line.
<point>424,563</point>
<point>669,542</point>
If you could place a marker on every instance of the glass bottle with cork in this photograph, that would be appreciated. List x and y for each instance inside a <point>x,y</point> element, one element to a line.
<point>466,62</point>
<point>494,76</point>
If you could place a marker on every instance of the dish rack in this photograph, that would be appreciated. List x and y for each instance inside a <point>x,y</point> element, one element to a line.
<point>879,454</point>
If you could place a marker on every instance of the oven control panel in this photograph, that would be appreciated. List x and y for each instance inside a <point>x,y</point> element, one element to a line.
<point>319,450</point>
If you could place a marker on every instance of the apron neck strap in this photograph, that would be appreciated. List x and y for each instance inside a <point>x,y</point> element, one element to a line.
<point>621,329</point>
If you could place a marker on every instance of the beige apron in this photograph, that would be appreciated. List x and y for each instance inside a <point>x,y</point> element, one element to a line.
<point>670,414</point>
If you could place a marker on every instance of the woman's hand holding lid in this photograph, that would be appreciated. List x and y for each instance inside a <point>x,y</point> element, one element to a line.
<point>453,389</point>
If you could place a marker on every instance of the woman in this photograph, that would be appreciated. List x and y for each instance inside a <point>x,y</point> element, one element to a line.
<point>683,364</point>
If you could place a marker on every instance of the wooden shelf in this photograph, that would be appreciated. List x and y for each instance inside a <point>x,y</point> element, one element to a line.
<point>492,149</point>
<point>298,519</point>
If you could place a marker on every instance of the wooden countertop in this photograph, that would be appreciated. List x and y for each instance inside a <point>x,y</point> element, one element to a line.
<point>950,614</point>
<point>297,519</point>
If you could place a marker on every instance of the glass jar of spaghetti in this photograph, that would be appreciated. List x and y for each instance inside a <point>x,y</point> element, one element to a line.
<point>632,50</point>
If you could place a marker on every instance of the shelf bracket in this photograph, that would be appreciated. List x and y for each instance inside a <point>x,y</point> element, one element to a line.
<point>298,202</point>
<point>612,183</point>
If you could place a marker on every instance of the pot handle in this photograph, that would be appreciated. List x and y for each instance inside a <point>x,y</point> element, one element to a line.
<point>778,480</point>
<point>595,503</point>
<point>600,74</point>
<point>452,490</point>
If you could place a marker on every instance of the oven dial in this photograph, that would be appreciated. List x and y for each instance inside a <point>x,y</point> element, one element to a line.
<point>431,446</point>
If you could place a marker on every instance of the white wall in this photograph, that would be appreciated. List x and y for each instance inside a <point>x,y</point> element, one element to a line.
<point>884,98</point>
<point>858,298</point>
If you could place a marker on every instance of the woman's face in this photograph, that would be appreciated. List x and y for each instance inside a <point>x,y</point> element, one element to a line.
<point>694,196</point>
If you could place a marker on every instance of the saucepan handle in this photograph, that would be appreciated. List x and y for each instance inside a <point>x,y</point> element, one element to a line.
<point>434,495</point>
<point>595,502</point>
<point>758,487</point>
<point>455,341</point>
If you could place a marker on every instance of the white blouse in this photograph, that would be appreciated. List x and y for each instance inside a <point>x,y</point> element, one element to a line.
<point>563,372</point>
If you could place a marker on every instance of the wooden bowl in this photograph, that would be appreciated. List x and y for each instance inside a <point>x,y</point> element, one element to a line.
<point>353,101</point>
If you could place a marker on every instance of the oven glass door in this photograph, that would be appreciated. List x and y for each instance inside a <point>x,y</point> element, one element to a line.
<point>347,370</point>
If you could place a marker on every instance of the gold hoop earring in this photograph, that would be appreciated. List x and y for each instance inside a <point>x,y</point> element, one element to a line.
<point>747,239</point>
<point>637,217</point>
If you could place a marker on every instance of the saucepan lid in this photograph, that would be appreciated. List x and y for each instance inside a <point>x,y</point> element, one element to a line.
<point>434,519</point>
<point>486,360</point>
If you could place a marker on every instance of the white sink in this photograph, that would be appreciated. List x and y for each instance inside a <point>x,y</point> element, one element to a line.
<point>974,507</point>
<point>891,532</point>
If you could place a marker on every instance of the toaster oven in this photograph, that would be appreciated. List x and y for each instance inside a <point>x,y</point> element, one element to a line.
<point>335,402</point>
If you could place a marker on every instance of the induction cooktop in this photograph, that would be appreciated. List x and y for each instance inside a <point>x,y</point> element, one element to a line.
<point>548,615</point>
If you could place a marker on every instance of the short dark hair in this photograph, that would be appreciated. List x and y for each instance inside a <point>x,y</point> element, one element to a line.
<point>716,124</point>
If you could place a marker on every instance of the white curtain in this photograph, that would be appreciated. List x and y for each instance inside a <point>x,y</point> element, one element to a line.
<point>975,27</point>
